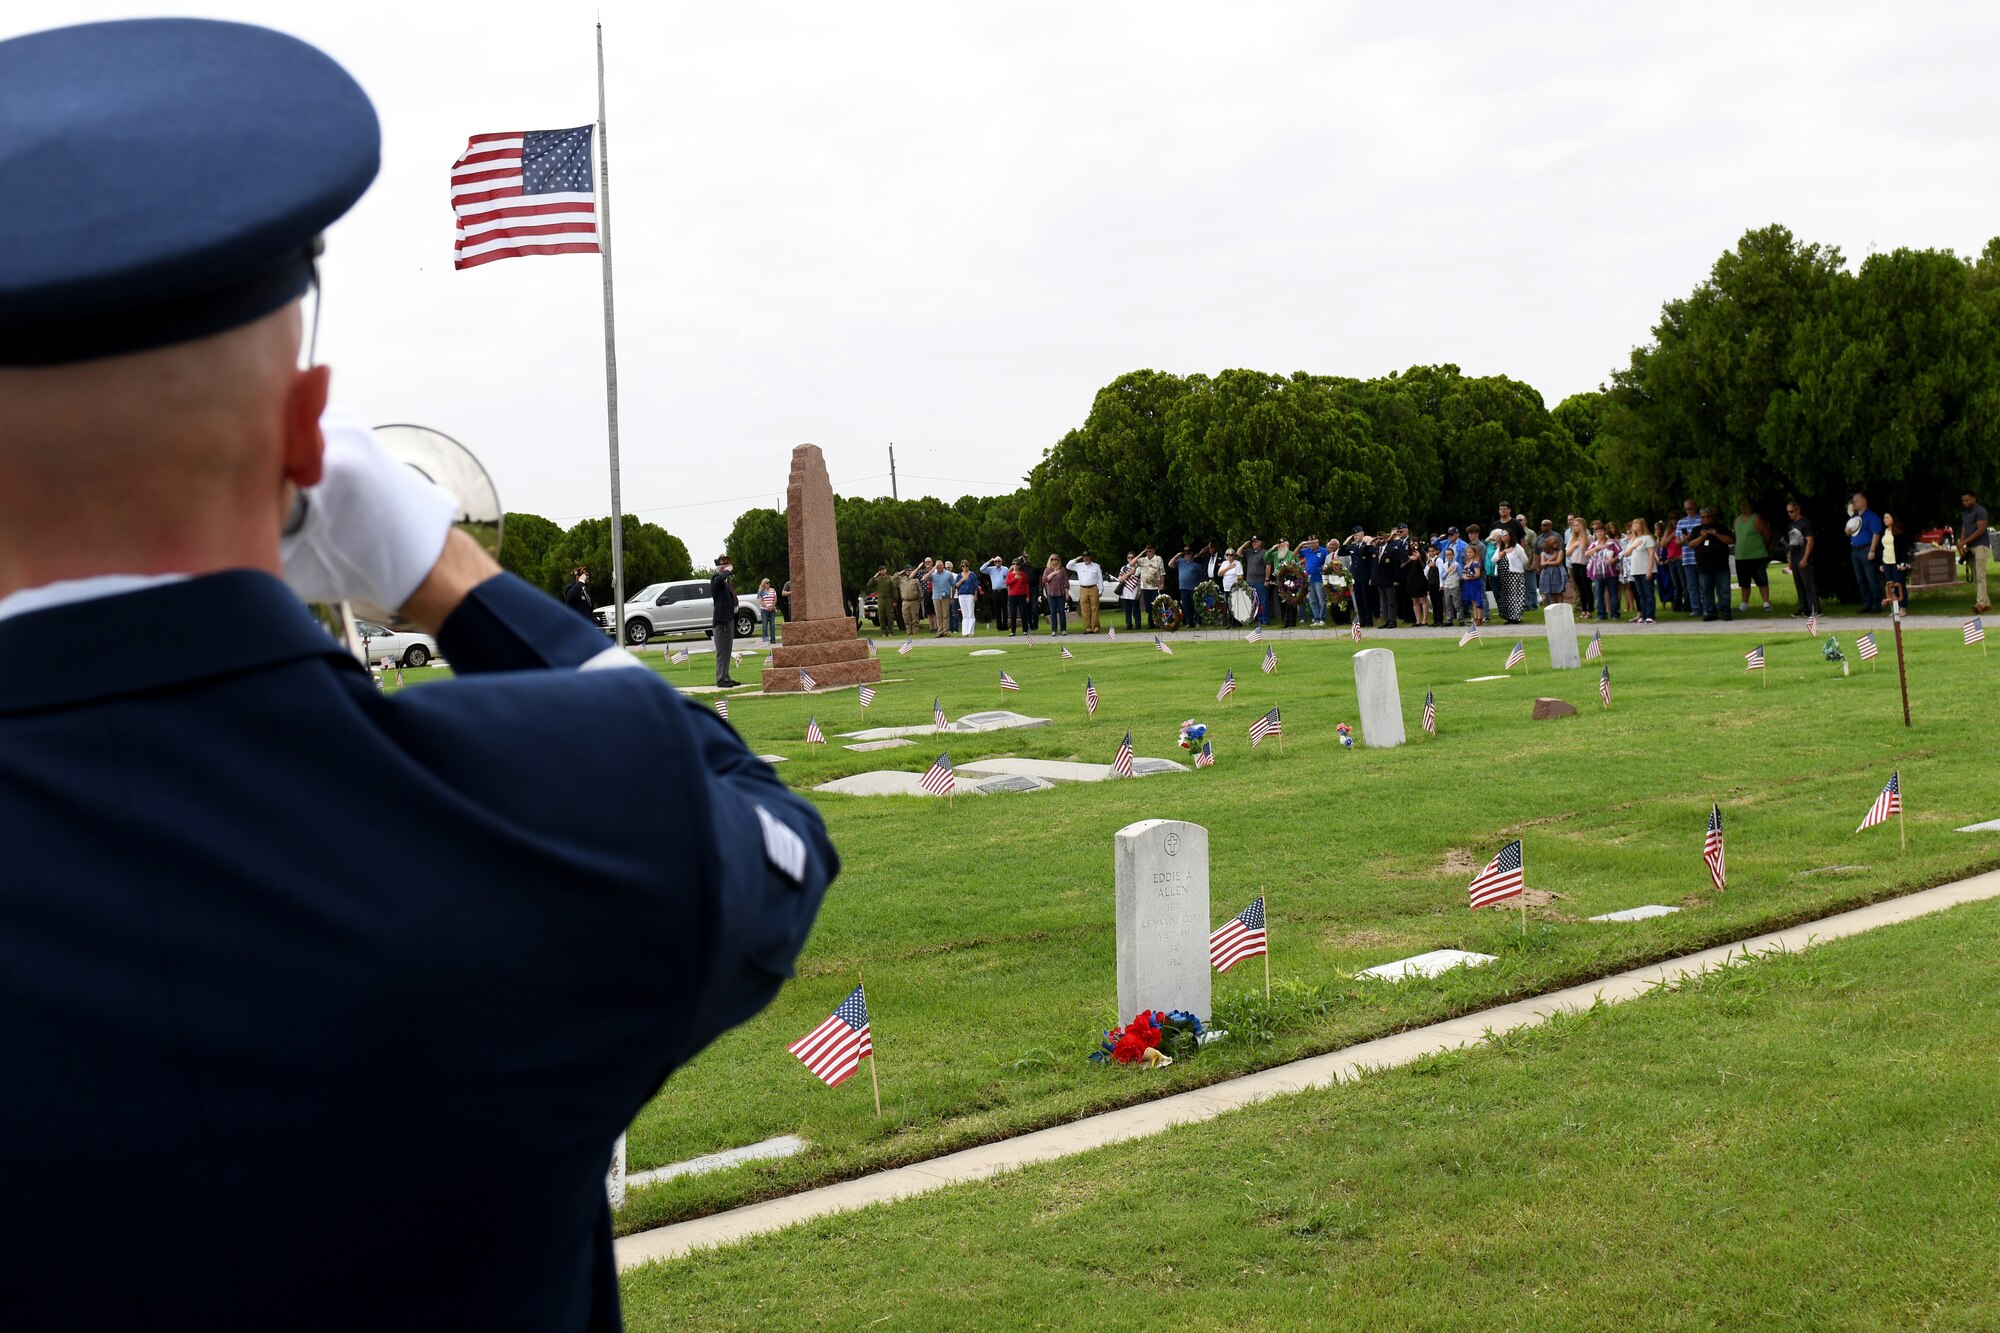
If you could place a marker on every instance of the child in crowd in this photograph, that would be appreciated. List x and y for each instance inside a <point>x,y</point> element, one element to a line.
<point>1554,580</point>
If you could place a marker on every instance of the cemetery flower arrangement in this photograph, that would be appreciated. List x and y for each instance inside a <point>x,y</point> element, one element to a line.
<point>1192,734</point>
<point>1148,1039</point>
<point>1346,735</point>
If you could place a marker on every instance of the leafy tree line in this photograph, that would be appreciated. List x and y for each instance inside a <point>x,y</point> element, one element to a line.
<point>1787,373</point>
<point>1163,458</point>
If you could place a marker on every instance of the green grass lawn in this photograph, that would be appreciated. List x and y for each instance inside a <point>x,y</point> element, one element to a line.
<point>1808,1142</point>
<point>985,927</point>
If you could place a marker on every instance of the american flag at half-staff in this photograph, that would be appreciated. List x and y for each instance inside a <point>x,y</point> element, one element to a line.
<point>1090,695</point>
<point>1503,878</point>
<point>867,695</point>
<point>1121,763</point>
<point>938,721</point>
<point>908,645</point>
<point>1242,936</point>
<point>1596,648</point>
<point>1471,635</point>
<point>938,779</point>
<point>529,192</point>
<point>679,657</point>
<point>1430,712</point>
<point>1271,724</point>
<point>1161,644</point>
<point>1516,656</point>
<point>814,736</point>
<point>1206,759</point>
<point>1975,631</point>
<point>1007,682</point>
<point>1270,658</point>
<point>1604,686</point>
<point>1068,656</point>
<point>722,709</point>
<point>806,682</point>
<point>1754,659</point>
<point>836,1048</point>
<point>1228,686</point>
<point>1256,635</point>
<point>1865,645</point>
<point>1888,802</point>
<point>1711,850</point>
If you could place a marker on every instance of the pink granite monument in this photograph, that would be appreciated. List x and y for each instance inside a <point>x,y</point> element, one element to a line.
<point>820,635</point>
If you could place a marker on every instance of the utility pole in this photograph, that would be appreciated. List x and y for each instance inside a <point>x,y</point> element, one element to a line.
<point>892,471</point>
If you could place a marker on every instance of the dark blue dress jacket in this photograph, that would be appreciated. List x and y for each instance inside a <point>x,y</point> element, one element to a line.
<point>321,1009</point>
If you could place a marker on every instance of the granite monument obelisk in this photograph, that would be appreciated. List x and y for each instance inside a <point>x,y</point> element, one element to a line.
<point>819,635</point>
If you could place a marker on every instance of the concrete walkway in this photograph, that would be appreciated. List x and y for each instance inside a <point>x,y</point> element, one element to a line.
<point>1321,1071</point>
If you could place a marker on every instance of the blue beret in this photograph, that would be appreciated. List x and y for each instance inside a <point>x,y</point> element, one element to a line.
<point>166,179</point>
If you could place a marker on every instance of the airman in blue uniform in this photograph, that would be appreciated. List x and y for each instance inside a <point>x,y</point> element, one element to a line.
<point>319,1009</point>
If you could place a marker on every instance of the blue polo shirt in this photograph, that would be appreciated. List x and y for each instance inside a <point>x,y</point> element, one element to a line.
<point>1870,529</point>
<point>1315,559</point>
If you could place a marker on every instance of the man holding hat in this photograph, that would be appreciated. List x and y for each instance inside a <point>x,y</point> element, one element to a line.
<point>250,1085</point>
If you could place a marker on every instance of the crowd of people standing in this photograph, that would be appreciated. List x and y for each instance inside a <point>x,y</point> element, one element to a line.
<point>1701,563</point>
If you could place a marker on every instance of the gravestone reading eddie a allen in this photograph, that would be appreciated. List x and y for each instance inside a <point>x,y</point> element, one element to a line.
<point>1559,619</point>
<point>1162,918</point>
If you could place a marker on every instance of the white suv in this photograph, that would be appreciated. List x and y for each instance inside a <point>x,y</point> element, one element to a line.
<point>681,607</point>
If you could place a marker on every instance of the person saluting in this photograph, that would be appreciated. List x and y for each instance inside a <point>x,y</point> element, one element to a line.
<point>328,997</point>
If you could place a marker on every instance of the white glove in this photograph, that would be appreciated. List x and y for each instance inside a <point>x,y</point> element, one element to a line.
<point>373,527</point>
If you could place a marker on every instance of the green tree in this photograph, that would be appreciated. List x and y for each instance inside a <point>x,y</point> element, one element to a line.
<point>1251,453</point>
<point>652,555</point>
<point>525,540</point>
<point>759,546</point>
<point>1106,485</point>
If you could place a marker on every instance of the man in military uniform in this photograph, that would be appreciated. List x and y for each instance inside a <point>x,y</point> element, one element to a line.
<point>883,589</point>
<point>1387,570</point>
<point>1358,553</point>
<point>910,591</point>
<point>287,966</point>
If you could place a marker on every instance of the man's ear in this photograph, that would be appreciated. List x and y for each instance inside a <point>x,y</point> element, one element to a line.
<point>305,447</point>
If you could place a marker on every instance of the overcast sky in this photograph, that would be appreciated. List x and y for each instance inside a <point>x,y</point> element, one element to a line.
<point>946,225</point>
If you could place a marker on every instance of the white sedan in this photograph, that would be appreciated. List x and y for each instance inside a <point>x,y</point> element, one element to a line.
<point>403,647</point>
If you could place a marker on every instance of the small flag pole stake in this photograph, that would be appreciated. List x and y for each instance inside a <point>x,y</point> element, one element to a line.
<point>1902,677</point>
<point>1267,943</point>
<point>1523,896</point>
<point>873,1082</point>
<point>1901,835</point>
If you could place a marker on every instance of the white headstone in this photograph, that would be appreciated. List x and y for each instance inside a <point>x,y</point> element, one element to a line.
<point>1162,869</point>
<point>1381,702</point>
<point>1559,619</point>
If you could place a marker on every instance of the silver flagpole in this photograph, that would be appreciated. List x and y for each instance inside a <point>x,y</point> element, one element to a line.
<point>614,1176</point>
<point>610,352</point>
